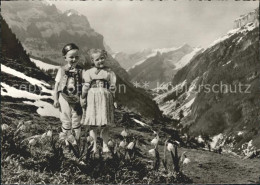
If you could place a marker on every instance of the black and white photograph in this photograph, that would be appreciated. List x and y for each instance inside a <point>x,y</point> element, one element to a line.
<point>130,92</point>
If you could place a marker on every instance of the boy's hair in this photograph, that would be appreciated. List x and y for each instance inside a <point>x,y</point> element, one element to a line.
<point>94,51</point>
<point>69,47</point>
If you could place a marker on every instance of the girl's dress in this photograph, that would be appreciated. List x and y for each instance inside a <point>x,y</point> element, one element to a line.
<point>100,102</point>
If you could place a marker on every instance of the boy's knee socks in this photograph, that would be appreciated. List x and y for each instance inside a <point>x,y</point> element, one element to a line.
<point>77,132</point>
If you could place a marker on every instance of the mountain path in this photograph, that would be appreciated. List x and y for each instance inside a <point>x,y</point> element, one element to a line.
<point>210,167</point>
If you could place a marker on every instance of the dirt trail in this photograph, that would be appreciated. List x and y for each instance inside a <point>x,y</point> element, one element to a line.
<point>209,167</point>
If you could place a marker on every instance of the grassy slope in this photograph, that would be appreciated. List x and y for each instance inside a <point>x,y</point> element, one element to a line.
<point>205,167</point>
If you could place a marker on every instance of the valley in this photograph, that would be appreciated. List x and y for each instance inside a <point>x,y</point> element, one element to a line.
<point>217,131</point>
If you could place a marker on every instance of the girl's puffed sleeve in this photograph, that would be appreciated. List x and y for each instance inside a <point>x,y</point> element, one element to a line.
<point>86,76</point>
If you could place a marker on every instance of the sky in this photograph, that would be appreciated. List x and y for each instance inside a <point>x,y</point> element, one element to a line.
<point>132,26</point>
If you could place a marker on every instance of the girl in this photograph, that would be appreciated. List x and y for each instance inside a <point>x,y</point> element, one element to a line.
<point>67,91</point>
<point>99,84</point>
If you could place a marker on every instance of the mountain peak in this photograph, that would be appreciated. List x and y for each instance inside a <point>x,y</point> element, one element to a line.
<point>48,3</point>
<point>185,46</point>
<point>252,16</point>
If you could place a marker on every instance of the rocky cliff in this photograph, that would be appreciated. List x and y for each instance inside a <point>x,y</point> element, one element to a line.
<point>251,17</point>
<point>43,31</point>
<point>218,91</point>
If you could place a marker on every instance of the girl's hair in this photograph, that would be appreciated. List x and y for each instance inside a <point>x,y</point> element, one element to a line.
<point>94,51</point>
<point>69,47</point>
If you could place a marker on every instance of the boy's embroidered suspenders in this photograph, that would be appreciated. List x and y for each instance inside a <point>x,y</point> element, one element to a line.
<point>71,81</point>
<point>70,87</point>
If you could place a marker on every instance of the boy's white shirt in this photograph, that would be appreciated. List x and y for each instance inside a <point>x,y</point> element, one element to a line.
<point>58,76</point>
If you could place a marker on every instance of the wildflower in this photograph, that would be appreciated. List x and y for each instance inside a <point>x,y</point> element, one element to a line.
<point>124,133</point>
<point>28,123</point>
<point>67,139</point>
<point>23,128</point>
<point>170,147</point>
<point>7,159</point>
<point>155,141</point>
<point>131,145</point>
<point>82,163</point>
<point>110,143</point>
<point>186,161</point>
<point>44,135</point>
<point>16,164</point>
<point>20,124</point>
<point>176,142</point>
<point>5,127</point>
<point>32,142</point>
<point>200,139</point>
<point>152,152</point>
<point>72,140</point>
<point>89,139</point>
<point>122,144</point>
<point>49,133</point>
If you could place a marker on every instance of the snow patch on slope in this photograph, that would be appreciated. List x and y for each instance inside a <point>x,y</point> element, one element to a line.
<point>45,109</point>
<point>33,81</point>
<point>182,103</point>
<point>248,148</point>
<point>16,93</point>
<point>164,87</point>
<point>215,140</point>
<point>43,65</point>
<point>227,63</point>
<point>244,29</point>
<point>186,59</point>
<point>154,53</point>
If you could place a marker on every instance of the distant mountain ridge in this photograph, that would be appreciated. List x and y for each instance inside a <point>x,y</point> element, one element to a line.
<point>160,67</point>
<point>233,61</point>
<point>128,60</point>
